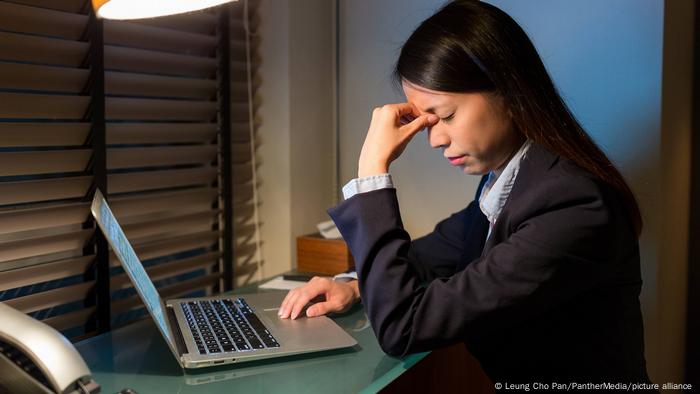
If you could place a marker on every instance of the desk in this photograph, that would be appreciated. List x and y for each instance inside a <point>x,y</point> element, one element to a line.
<point>136,356</point>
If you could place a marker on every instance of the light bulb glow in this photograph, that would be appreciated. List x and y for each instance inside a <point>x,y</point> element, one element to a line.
<point>138,9</point>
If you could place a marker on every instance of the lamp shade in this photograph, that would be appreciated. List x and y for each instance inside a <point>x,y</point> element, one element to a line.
<point>138,9</point>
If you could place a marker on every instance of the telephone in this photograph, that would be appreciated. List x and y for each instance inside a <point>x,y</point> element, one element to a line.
<point>35,358</point>
<point>328,230</point>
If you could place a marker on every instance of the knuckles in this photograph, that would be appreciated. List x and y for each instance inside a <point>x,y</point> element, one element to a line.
<point>385,109</point>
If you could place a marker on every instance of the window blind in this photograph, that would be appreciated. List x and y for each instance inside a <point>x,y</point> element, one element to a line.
<point>162,151</point>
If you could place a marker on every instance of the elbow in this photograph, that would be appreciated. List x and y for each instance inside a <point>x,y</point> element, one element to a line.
<point>393,343</point>
<point>393,349</point>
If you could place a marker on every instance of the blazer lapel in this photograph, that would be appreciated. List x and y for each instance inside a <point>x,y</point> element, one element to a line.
<point>537,161</point>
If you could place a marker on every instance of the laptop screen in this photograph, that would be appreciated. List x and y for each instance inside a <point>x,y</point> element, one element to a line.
<point>131,263</point>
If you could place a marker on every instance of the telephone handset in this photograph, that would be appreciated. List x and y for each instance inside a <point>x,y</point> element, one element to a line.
<point>35,358</point>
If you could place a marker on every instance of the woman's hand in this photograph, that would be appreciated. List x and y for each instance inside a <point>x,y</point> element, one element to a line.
<point>340,296</point>
<point>391,129</point>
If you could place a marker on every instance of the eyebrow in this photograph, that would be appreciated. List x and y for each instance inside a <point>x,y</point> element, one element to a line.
<point>432,109</point>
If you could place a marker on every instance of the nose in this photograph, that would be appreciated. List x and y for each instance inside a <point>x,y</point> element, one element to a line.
<point>438,137</point>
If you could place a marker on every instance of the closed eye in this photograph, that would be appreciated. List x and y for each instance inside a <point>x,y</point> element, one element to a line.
<point>448,118</point>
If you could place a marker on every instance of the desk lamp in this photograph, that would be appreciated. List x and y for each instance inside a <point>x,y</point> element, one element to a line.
<point>137,9</point>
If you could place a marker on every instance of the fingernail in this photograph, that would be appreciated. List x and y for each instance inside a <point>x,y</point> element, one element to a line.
<point>432,118</point>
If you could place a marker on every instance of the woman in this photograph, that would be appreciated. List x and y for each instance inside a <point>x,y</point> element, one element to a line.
<point>540,274</point>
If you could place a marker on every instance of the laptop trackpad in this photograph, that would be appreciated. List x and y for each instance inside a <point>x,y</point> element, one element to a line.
<point>306,332</point>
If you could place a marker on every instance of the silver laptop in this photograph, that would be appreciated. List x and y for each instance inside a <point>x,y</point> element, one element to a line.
<point>223,329</point>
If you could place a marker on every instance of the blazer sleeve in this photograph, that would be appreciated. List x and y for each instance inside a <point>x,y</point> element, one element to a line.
<point>453,243</point>
<point>552,255</point>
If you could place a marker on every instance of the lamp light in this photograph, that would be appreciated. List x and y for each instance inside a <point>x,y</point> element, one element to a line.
<point>138,9</point>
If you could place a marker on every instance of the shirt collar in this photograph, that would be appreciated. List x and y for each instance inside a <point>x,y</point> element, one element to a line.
<point>499,184</point>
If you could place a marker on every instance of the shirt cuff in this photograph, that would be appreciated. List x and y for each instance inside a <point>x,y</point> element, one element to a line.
<point>367,184</point>
<point>346,276</point>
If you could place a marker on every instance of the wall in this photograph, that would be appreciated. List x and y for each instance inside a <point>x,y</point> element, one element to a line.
<point>606,59</point>
<point>273,136</point>
<point>675,164</point>
<point>294,136</point>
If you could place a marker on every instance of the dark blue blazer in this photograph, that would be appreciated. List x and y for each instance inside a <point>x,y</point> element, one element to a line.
<point>552,295</point>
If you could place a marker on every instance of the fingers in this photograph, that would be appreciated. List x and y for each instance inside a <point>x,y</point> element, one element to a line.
<point>321,308</point>
<point>406,119</point>
<point>405,109</point>
<point>402,111</point>
<point>285,307</point>
<point>408,116</point>
<point>296,299</point>
<point>419,124</point>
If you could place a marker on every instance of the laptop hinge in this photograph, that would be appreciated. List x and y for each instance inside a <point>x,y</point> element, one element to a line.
<point>177,333</point>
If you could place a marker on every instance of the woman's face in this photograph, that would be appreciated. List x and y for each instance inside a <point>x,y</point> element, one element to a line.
<point>475,130</point>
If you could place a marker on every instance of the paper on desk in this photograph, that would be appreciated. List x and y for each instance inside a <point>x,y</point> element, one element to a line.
<point>279,283</point>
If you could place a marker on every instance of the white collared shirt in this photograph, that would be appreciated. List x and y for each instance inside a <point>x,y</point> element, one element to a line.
<point>498,186</point>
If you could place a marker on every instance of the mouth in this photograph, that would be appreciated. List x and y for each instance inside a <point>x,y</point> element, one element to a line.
<point>457,160</point>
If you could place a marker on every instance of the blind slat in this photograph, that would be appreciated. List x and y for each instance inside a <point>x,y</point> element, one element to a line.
<point>43,190</point>
<point>243,195</point>
<point>129,84</point>
<point>36,20</point>
<point>54,79</point>
<point>240,131</point>
<point>44,272</point>
<point>155,249</point>
<point>160,156</point>
<point>240,153</point>
<point>151,180</point>
<point>42,106</point>
<point>20,249</point>
<point>13,134</point>
<point>193,22</point>
<point>242,173</point>
<point>25,48</point>
<point>136,35</point>
<point>173,226</point>
<point>163,110</point>
<point>51,298</point>
<point>193,200</point>
<point>169,269</point>
<point>75,6</point>
<point>239,69</point>
<point>139,60</point>
<point>19,220</point>
<point>43,162</point>
<point>145,133</point>
<point>70,320</point>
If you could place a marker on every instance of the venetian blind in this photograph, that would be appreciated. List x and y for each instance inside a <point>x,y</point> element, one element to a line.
<point>162,130</point>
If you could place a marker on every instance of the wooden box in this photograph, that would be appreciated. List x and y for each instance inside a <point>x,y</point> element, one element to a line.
<point>325,256</point>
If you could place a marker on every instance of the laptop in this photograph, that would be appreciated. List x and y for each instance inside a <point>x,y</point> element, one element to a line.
<point>218,330</point>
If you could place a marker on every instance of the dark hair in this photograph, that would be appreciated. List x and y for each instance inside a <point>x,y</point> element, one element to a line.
<point>472,46</point>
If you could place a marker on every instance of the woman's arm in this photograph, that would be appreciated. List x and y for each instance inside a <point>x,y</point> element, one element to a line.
<point>557,253</point>
<point>437,255</point>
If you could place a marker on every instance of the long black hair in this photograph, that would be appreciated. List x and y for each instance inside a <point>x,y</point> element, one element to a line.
<point>472,46</point>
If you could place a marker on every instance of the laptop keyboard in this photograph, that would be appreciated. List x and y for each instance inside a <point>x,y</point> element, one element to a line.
<point>226,326</point>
